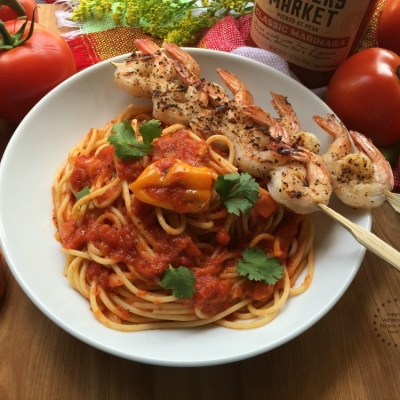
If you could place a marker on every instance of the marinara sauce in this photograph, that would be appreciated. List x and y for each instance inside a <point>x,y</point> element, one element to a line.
<point>313,36</point>
<point>214,291</point>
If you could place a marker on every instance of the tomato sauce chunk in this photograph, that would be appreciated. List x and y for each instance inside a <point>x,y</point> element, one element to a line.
<point>180,145</point>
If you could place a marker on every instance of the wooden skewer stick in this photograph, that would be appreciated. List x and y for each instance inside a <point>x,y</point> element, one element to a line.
<point>366,238</point>
<point>393,199</point>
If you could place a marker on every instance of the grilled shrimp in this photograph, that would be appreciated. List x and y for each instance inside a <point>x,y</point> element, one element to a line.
<point>151,69</point>
<point>133,75</point>
<point>359,172</point>
<point>265,119</point>
<point>250,143</point>
<point>178,105</point>
<point>193,97</point>
<point>230,118</point>
<point>181,103</point>
<point>288,124</point>
<point>291,123</point>
<point>143,71</point>
<point>302,183</point>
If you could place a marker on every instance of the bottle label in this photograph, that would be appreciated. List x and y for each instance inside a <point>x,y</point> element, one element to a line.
<point>314,34</point>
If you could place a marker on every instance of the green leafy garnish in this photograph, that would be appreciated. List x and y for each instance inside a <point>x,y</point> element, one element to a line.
<point>258,266</point>
<point>127,144</point>
<point>181,280</point>
<point>84,192</point>
<point>237,192</point>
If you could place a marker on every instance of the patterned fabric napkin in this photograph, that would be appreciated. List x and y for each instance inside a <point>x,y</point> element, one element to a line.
<point>91,48</point>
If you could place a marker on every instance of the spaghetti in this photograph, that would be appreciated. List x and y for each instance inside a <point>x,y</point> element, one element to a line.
<point>118,246</point>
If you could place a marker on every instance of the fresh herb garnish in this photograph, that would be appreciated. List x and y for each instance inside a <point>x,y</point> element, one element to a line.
<point>127,144</point>
<point>181,280</point>
<point>84,192</point>
<point>258,266</point>
<point>237,192</point>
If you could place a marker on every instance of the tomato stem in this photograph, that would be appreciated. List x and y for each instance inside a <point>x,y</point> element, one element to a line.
<point>398,71</point>
<point>15,6</point>
<point>9,41</point>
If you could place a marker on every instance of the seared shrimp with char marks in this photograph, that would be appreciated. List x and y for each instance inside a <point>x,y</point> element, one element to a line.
<point>302,183</point>
<point>151,68</point>
<point>231,118</point>
<point>195,97</point>
<point>288,124</point>
<point>291,123</point>
<point>179,104</point>
<point>360,174</point>
<point>265,120</point>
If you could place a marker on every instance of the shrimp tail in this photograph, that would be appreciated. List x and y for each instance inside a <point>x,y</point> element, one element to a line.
<point>146,46</point>
<point>180,55</point>
<point>288,118</point>
<point>284,149</point>
<point>242,96</point>
<point>186,76</point>
<point>263,118</point>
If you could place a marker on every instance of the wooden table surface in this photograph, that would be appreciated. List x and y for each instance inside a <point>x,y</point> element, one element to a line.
<point>346,355</point>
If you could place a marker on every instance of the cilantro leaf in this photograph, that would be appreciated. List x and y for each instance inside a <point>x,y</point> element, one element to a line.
<point>84,192</point>
<point>237,192</point>
<point>258,266</point>
<point>126,143</point>
<point>181,280</point>
<point>150,130</point>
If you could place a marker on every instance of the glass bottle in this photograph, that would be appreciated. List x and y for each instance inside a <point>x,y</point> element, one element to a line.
<point>313,36</point>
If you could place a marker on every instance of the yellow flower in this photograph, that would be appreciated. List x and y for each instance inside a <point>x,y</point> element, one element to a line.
<point>170,19</point>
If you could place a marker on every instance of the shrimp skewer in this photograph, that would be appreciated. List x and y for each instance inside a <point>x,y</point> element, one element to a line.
<point>361,177</point>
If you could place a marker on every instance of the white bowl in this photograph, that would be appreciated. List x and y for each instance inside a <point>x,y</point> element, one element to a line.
<point>39,146</point>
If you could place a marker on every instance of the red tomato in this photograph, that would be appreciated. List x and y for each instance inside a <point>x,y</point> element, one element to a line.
<point>31,70</point>
<point>7,14</point>
<point>364,92</point>
<point>389,26</point>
